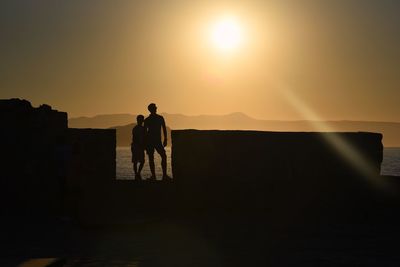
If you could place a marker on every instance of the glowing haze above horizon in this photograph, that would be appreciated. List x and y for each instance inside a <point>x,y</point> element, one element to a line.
<point>339,58</point>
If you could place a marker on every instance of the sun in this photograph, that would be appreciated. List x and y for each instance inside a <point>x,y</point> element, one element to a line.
<point>226,34</point>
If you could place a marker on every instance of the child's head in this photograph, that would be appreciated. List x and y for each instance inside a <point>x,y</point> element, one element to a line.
<point>140,119</point>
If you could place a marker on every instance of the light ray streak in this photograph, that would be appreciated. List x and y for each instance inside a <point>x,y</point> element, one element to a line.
<point>344,148</point>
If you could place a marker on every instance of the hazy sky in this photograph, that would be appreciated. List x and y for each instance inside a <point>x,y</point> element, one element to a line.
<point>339,58</point>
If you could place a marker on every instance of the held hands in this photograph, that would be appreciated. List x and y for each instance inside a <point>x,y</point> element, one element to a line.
<point>165,142</point>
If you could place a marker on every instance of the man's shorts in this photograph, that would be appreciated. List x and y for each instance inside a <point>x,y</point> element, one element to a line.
<point>157,146</point>
<point>137,154</point>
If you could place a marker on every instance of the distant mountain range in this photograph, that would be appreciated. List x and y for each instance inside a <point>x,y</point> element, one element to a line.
<point>239,121</point>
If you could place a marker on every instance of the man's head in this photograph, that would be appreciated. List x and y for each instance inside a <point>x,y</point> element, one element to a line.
<point>152,108</point>
<point>140,119</point>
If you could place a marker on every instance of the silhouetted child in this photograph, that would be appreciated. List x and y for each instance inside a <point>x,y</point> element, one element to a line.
<point>138,146</point>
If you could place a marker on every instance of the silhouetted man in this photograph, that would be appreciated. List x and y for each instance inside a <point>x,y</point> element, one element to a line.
<point>153,125</point>
<point>138,146</point>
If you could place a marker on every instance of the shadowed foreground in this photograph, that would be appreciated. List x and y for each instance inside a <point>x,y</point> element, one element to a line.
<point>203,243</point>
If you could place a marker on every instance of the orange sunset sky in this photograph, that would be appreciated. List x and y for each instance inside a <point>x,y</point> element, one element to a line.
<point>268,59</point>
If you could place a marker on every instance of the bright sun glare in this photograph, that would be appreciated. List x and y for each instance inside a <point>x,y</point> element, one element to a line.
<point>226,34</point>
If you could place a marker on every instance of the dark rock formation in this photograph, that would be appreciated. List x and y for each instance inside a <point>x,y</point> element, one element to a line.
<point>46,168</point>
<point>32,141</point>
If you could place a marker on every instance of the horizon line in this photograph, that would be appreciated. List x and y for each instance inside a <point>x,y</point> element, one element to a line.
<point>241,113</point>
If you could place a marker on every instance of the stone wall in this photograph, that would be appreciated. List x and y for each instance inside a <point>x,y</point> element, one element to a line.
<point>91,171</point>
<point>93,153</point>
<point>278,173</point>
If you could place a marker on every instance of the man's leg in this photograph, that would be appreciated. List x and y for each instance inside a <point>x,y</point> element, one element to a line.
<point>163,154</point>
<point>152,167</point>
<point>150,153</point>
<point>164,164</point>
<point>141,164</point>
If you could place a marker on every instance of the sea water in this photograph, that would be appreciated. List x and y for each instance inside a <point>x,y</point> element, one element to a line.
<point>125,168</point>
<point>391,161</point>
<point>390,164</point>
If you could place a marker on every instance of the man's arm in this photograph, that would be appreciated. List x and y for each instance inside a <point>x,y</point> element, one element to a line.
<point>164,128</point>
